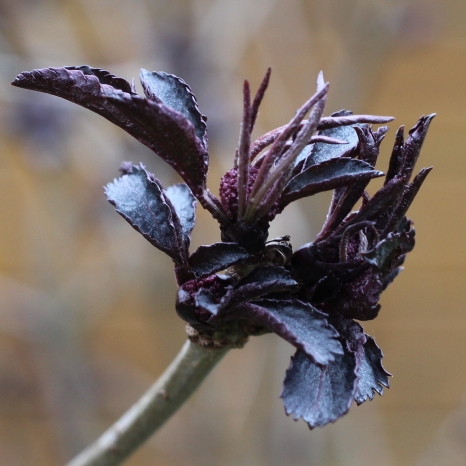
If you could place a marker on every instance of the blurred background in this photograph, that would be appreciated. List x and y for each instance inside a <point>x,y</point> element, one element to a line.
<point>87,318</point>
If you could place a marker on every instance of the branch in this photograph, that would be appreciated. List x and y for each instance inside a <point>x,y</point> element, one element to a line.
<point>169,392</point>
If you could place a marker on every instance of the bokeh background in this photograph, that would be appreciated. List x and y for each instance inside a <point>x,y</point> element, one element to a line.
<point>87,318</point>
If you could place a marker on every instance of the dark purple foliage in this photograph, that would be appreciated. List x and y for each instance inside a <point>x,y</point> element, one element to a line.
<point>218,256</point>
<point>246,285</point>
<point>298,323</point>
<point>158,125</point>
<point>140,199</point>
<point>319,394</point>
<point>324,176</point>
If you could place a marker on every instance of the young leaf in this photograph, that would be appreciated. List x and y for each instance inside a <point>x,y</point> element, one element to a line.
<point>412,145</point>
<point>184,203</point>
<point>84,86</point>
<point>384,198</point>
<point>164,130</point>
<point>207,260</point>
<point>176,94</point>
<point>140,200</point>
<point>261,281</point>
<point>322,152</point>
<point>396,158</point>
<point>372,377</point>
<point>319,394</point>
<point>207,302</point>
<point>331,174</point>
<point>173,136</point>
<point>409,193</point>
<point>345,199</point>
<point>298,323</point>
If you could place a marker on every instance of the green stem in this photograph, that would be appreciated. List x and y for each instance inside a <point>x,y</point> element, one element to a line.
<point>168,393</point>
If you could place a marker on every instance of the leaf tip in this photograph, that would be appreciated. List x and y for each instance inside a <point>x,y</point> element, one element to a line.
<point>320,81</point>
<point>20,80</point>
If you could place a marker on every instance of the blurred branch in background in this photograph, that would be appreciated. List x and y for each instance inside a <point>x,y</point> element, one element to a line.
<point>86,316</point>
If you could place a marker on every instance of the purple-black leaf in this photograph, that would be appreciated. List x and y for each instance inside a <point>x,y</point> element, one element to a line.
<point>322,152</point>
<point>319,394</point>
<point>298,323</point>
<point>382,251</point>
<point>206,301</point>
<point>383,199</point>
<point>396,159</point>
<point>173,136</point>
<point>344,199</point>
<point>184,203</point>
<point>84,86</point>
<point>141,201</point>
<point>412,146</point>
<point>368,145</point>
<point>331,174</point>
<point>104,77</point>
<point>207,260</point>
<point>265,274</point>
<point>176,94</point>
<point>184,307</point>
<point>164,130</point>
<point>372,377</point>
<point>409,193</point>
<point>261,281</point>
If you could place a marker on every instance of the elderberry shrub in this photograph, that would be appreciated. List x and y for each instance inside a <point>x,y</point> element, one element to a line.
<point>246,285</point>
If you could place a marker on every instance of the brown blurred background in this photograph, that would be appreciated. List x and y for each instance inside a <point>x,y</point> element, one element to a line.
<point>86,311</point>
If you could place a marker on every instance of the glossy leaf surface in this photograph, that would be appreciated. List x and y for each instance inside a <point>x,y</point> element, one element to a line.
<point>184,203</point>
<point>298,323</point>
<point>331,174</point>
<point>173,136</point>
<point>372,377</point>
<point>261,281</point>
<point>176,94</point>
<point>164,130</point>
<point>322,152</point>
<point>319,394</point>
<point>207,260</point>
<point>140,200</point>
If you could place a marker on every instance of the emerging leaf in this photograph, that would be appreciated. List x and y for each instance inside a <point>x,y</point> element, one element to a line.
<point>207,260</point>
<point>381,253</point>
<point>313,297</point>
<point>206,301</point>
<point>262,281</point>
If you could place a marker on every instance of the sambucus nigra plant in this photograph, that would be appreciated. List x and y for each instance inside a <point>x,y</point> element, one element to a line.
<point>246,285</point>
